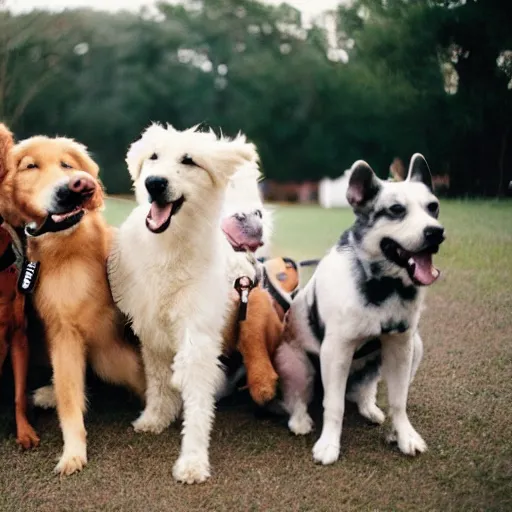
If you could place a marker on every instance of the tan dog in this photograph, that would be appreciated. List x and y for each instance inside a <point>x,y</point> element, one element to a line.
<point>259,334</point>
<point>52,186</point>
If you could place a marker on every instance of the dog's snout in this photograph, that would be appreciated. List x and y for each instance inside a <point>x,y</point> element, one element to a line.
<point>257,231</point>
<point>82,185</point>
<point>73,193</point>
<point>250,223</point>
<point>433,234</point>
<point>156,186</point>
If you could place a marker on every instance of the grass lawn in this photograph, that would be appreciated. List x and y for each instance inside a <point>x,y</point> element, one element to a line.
<point>461,402</point>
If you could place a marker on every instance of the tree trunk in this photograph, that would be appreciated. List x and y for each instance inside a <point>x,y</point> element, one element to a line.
<point>501,163</point>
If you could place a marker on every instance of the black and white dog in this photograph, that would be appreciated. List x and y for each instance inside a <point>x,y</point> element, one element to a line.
<point>360,310</point>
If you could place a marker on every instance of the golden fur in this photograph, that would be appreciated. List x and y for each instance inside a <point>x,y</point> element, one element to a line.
<point>72,295</point>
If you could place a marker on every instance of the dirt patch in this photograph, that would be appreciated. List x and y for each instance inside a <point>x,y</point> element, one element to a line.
<point>460,403</point>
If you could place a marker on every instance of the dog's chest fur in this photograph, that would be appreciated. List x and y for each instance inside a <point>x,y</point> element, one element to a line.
<point>364,303</point>
<point>163,289</point>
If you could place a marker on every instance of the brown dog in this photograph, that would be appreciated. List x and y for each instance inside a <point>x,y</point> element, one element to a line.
<point>13,338</point>
<point>12,318</point>
<point>258,335</point>
<point>52,186</point>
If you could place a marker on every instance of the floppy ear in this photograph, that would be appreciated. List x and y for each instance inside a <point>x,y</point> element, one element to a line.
<point>363,185</point>
<point>138,151</point>
<point>224,157</point>
<point>419,170</point>
<point>6,143</point>
<point>134,158</point>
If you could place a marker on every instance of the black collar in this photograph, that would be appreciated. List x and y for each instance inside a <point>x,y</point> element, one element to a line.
<point>7,258</point>
<point>49,226</point>
<point>275,292</point>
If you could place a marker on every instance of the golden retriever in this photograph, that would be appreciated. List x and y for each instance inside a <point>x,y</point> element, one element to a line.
<point>52,186</point>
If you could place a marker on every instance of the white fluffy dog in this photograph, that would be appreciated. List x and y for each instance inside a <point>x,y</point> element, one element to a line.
<point>246,222</point>
<point>168,275</point>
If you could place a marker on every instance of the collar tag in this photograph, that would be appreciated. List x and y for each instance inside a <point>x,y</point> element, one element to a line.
<point>243,285</point>
<point>28,276</point>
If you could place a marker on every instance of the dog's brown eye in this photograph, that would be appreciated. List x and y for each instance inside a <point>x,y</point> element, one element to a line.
<point>397,210</point>
<point>433,208</point>
<point>187,160</point>
<point>65,165</point>
<point>154,156</point>
<point>31,166</point>
<point>258,214</point>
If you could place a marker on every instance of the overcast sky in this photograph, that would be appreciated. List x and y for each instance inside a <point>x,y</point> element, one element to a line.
<point>309,7</point>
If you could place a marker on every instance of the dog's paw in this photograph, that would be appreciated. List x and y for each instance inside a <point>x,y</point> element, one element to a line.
<point>70,463</point>
<point>44,397</point>
<point>264,390</point>
<point>191,469</point>
<point>325,452</point>
<point>373,413</point>
<point>26,437</point>
<point>408,440</point>
<point>300,424</point>
<point>149,423</point>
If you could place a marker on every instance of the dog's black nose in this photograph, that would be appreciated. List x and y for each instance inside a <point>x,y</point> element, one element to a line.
<point>433,234</point>
<point>156,186</point>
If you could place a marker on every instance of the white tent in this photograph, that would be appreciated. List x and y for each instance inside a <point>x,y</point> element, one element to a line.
<point>333,193</point>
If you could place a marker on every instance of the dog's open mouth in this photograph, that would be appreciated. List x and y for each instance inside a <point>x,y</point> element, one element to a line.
<point>159,216</point>
<point>243,245</point>
<point>74,216</point>
<point>55,222</point>
<point>419,264</point>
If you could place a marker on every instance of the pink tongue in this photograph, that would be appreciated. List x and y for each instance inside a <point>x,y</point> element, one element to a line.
<point>158,215</point>
<point>424,271</point>
<point>237,238</point>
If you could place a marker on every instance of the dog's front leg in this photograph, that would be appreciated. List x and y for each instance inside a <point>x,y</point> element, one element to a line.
<point>197,374</point>
<point>335,358</point>
<point>259,334</point>
<point>67,352</point>
<point>25,434</point>
<point>397,358</point>
<point>163,400</point>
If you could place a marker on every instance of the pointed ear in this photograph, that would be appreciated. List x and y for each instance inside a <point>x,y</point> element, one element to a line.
<point>6,143</point>
<point>363,185</point>
<point>419,170</point>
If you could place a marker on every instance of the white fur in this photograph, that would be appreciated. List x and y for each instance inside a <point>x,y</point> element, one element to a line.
<point>349,322</point>
<point>173,285</point>
<point>45,398</point>
<point>243,196</point>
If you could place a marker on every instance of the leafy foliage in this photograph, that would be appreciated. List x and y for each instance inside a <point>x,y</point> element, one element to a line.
<point>245,65</point>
